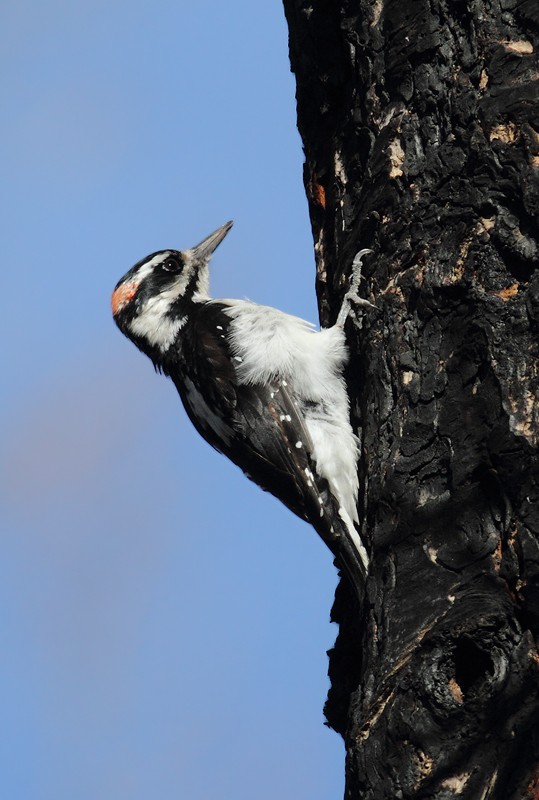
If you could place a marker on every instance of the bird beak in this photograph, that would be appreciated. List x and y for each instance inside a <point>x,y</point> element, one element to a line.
<point>203,251</point>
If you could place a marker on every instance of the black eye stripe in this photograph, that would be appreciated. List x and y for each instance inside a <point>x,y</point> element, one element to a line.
<point>171,265</point>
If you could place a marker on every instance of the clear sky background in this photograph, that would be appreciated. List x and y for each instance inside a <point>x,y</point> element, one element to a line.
<point>163,622</point>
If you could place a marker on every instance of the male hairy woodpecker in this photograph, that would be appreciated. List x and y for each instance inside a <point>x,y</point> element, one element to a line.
<point>259,385</point>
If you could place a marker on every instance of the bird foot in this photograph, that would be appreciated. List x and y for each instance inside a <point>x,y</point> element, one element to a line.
<point>351,295</point>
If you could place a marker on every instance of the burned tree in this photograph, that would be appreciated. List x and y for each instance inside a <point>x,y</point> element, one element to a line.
<point>420,123</point>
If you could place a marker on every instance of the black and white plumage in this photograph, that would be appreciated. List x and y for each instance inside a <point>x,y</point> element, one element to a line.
<point>259,385</point>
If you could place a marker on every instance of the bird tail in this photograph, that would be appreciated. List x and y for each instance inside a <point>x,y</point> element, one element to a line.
<point>338,531</point>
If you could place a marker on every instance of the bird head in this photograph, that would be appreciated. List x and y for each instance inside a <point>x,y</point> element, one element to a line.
<point>151,302</point>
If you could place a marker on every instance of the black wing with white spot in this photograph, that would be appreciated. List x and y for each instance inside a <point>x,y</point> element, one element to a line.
<point>259,427</point>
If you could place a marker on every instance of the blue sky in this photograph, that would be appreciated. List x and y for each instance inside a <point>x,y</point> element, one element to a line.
<point>163,623</point>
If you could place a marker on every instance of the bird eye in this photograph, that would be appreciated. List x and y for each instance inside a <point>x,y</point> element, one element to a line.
<point>171,265</point>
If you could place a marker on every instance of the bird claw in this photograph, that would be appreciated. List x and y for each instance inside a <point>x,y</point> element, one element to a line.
<point>351,295</point>
<point>360,301</point>
<point>359,257</point>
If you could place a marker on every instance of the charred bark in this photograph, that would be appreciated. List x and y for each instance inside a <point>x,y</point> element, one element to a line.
<point>420,123</point>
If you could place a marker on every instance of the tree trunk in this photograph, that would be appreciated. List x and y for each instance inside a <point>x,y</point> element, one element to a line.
<point>420,122</point>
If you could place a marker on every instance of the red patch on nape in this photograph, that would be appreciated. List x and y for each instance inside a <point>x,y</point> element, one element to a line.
<point>122,295</point>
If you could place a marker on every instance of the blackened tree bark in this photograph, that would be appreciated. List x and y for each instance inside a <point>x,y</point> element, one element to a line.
<point>420,122</point>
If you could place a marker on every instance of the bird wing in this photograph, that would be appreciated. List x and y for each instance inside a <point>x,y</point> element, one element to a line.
<point>259,427</point>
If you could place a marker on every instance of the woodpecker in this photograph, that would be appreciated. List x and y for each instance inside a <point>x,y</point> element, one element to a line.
<point>261,386</point>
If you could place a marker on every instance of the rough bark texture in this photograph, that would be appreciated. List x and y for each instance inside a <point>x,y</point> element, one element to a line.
<point>420,122</point>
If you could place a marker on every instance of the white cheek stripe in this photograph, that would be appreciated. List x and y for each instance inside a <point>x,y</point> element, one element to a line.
<point>158,330</point>
<point>152,321</point>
